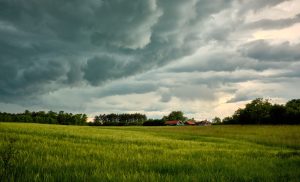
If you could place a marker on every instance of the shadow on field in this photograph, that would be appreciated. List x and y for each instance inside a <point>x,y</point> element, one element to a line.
<point>285,155</point>
<point>8,159</point>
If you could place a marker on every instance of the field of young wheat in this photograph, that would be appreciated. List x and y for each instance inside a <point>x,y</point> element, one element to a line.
<point>41,152</point>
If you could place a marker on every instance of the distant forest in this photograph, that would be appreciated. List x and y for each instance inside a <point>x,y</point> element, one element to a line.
<point>258,111</point>
<point>119,119</point>
<point>45,117</point>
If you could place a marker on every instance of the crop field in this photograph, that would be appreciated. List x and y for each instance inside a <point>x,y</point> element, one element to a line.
<point>41,152</point>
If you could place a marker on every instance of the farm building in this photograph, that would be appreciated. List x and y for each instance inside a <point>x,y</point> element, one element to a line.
<point>174,123</point>
<point>190,123</point>
<point>204,123</point>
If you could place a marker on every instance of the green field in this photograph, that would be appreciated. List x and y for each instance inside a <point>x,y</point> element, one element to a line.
<point>43,152</point>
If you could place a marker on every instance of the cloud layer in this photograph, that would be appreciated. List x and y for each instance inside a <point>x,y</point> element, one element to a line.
<point>150,56</point>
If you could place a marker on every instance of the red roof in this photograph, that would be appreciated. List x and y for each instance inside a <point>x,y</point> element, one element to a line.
<point>190,123</point>
<point>172,122</point>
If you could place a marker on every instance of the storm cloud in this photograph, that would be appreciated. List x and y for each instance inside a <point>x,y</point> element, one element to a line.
<point>171,52</point>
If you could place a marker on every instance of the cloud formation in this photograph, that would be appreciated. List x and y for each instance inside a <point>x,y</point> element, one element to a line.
<point>175,52</point>
<point>267,24</point>
<point>264,51</point>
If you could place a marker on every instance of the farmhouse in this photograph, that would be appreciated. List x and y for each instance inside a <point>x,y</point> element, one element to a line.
<point>190,123</point>
<point>174,123</point>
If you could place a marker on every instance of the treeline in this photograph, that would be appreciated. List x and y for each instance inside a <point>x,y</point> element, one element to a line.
<point>135,119</point>
<point>261,111</point>
<point>119,119</point>
<point>43,117</point>
<point>174,115</point>
<point>154,122</point>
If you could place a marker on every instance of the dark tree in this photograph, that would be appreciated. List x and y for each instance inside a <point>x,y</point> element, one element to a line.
<point>154,122</point>
<point>293,111</point>
<point>175,115</point>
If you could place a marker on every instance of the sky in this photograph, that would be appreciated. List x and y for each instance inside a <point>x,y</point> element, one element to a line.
<point>205,58</point>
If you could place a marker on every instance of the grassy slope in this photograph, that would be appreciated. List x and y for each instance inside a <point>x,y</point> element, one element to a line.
<point>228,153</point>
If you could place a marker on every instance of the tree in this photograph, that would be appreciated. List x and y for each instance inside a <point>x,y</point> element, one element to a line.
<point>154,122</point>
<point>228,120</point>
<point>175,115</point>
<point>216,120</point>
<point>120,119</point>
<point>256,112</point>
<point>278,114</point>
<point>293,111</point>
<point>261,111</point>
<point>42,117</point>
<point>27,112</point>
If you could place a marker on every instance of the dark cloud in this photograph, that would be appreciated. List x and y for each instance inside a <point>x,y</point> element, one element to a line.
<point>37,35</point>
<point>100,69</point>
<point>74,74</point>
<point>220,60</point>
<point>264,51</point>
<point>127,88</point>
<point>73,51</point>
<point>123,24</point>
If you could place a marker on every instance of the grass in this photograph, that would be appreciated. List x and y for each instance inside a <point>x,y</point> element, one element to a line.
<point>214,153</point>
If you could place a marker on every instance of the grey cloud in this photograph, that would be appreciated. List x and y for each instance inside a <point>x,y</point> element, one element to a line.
<point>123,24</point>
<point>23,78</point>
<point>257,5</point>
<point>267,24</point>
<point>48,46</point>
<point>264,51</point>
<point>49,71</point>
<point>293,71</point>
<point>40,32</point>
<point>220,79</point>
<point>171,38</point>
<point>127,88</point>
<point>166,97</point>
<point>189,93</point>
<point>278,88</point>
<point>35,31</point>
<point>157,107</point>
<point>102,68</point>
<point>74,74</point>
<point>192,92</point>
<point>105,68</point>
<point>219,61</point>
<point>241,98</point>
